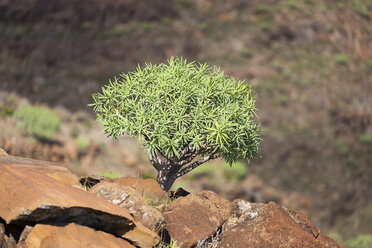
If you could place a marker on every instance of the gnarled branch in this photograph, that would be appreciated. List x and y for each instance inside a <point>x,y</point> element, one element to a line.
<point>197,163</point>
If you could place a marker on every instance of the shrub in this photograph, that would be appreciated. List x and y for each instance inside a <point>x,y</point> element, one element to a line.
<point>360,241</point>
<point>185,114</point>
<point>39,121</point>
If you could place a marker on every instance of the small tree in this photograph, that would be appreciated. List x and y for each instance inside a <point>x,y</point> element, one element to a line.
<point>185,114</point>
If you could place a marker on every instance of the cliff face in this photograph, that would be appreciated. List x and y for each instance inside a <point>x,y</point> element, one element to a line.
<point>43,205</point>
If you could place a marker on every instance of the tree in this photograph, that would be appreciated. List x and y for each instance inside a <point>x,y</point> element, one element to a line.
<point>185,114</point>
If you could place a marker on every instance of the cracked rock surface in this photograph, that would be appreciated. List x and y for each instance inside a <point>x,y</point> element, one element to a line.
<point>129,198</point>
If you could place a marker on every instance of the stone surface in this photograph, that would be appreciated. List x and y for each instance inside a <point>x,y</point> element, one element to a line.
<point>265,226</point>
<point>29,196</point>
<point>129,198</point>
<point>71,236</point>
<point>49,169</point>
<point>3,153</point>
<point>147,187</point>
<point>195,217</point>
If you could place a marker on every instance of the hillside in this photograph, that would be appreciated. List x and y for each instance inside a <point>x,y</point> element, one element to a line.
<point>310,64</point>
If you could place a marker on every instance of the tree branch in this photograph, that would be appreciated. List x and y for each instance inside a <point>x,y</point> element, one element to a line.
<point>192,166</point>
<point>154,161</point>
<point>187,159</point>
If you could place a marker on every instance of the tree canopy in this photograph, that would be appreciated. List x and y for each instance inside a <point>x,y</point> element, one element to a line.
<point>181,111</point>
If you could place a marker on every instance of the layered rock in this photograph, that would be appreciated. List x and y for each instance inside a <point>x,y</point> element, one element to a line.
<point>30,196</point>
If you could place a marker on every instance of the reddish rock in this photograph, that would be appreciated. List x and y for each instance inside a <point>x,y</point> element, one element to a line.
<point>29,196</point>
<point>129,198</point>
<point>49,169</point>
<point>71,236</point>
<point>261,226</point>
<point>147,187</point>
<point>195,217</point>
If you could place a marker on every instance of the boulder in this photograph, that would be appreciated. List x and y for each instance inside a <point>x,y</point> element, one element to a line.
<point>270,225</point>
<point>50,169</point>
<point>69,235</point>
<point>129,198</point>
<point>147,187</point>
<point>29,197</point>
<point>195,217</point>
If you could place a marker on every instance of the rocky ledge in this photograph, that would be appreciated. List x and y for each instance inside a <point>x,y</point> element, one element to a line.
<point>43,204</point>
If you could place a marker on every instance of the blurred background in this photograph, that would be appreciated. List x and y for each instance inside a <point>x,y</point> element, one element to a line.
<point>309,62</point>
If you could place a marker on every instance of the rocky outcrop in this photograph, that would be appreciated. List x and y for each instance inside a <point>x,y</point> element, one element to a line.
<point>147,187</point>
<point>196,217</point>
<point>128,198</point>
<point>28,196</point>
<point>270,225</point>
<point>41,206</point>
<point>69,235</point>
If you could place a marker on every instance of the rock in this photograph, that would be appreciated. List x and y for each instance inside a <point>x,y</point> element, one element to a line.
<point>2,233</point>
<point>195,217</point>
<point>3,153</point>
<point>69,235</point>
<point>29,197</point>
<point>261,226</point>
<point>129,198</point>
<point>147,187</point>
<point>49,169</point>
<point>5,241</point>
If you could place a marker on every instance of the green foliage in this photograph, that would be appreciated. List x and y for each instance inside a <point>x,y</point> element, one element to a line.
<point>361,241</point>
<point>172,244</point>
<point>159,203</point>
<point>362,7</point>
<point>238,170</point>
<point>39,121</point>
<point>109,174</point>
<point>178,105</point>
<point>341,58</point>
<point>365,139</point>
<point>82,143</point>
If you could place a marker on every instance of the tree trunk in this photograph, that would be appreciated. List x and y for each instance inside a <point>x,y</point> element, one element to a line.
<point>166,177</point>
